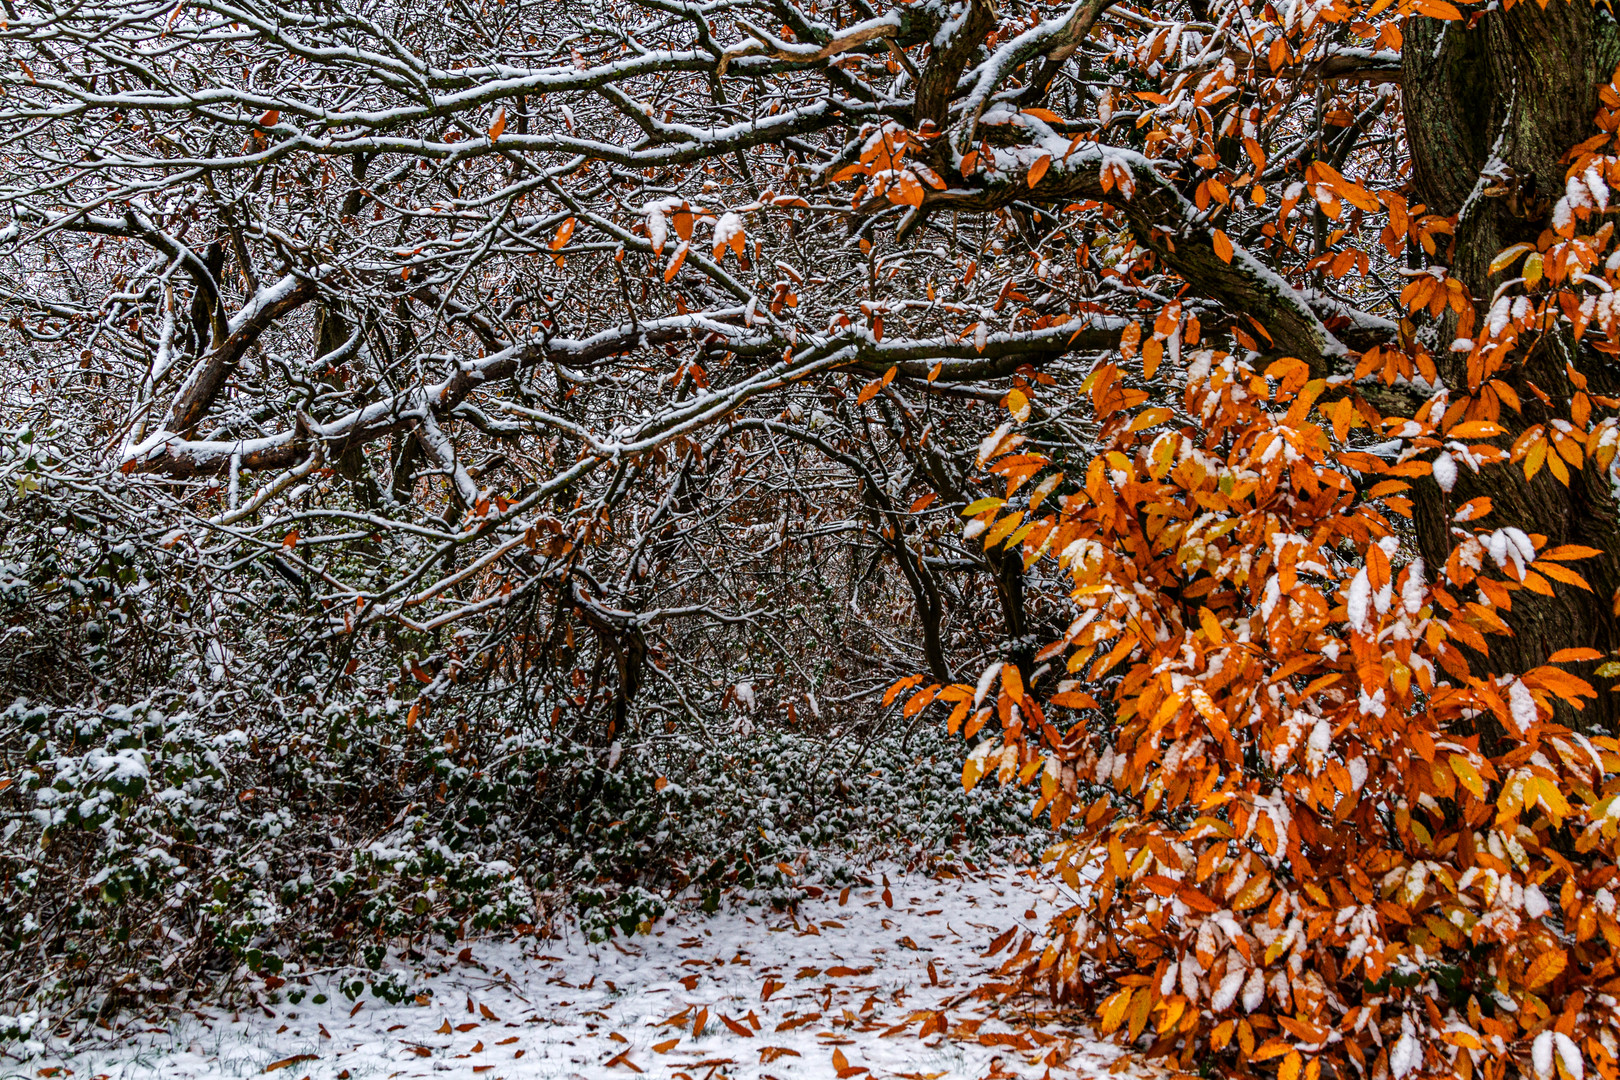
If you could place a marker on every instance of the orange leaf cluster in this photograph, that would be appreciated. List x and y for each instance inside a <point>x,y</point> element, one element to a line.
<point>1300,829</point>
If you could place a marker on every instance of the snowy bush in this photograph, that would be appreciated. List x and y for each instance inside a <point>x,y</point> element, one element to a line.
<point>149,850</point>
<point>194,805</point>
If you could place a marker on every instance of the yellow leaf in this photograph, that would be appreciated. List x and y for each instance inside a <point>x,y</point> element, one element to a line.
<point>1468,775</point>
<point>1532,268</point>
<point>1149,417</point>
<point>1223,246</point>
<point>979,506</point>
<point>1002,529</point>
<point>1254,892</point>
<point>1506,257</point>
<point>1018,404</point>
<point>1545,968</point>
<point>1113,1010</point>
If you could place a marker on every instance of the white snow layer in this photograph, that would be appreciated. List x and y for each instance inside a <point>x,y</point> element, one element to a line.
<point>858,981</point>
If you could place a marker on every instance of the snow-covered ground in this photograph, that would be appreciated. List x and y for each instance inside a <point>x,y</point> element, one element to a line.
<point>842,988</point>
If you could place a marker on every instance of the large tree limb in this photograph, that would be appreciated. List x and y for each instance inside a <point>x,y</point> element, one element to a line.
<point>268,306</point>
<point>959,361</point>
<point>1163,220</point>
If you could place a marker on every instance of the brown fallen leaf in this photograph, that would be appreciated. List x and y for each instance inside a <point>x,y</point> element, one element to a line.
<point>740,1029</point>
<point>483,1010</point>
<point>621,1058</point>
<point>284,1062</point>
<point>478,1047</point>
<point>798,1021</point>
<point>1019,1041</point>
<point>678,1020</point>
<point>771,987</point>
<point>768,1054</point>
<point>666,1046</point>
<point>507,1042</point>
<point>464,1028</point>
<point>842,971</point>
<point>844,1069</point>
<point>700,1023</point>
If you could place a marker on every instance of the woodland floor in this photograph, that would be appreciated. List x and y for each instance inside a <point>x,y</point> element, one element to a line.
<point>841,988</point>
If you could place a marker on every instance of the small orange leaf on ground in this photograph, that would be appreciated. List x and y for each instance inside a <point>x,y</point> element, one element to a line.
<point>284,1062</point>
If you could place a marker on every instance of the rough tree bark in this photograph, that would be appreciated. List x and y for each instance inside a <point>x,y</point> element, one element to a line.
<point>1490,112</point>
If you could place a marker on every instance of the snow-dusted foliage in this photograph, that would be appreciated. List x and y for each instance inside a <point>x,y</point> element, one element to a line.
<point>192,808</point>
<point>458,458</point>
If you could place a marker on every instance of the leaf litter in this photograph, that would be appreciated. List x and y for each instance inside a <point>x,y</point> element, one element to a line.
<point>887,980</point>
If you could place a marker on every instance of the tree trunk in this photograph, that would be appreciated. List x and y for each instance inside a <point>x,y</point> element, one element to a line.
<point>1490,113</point>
